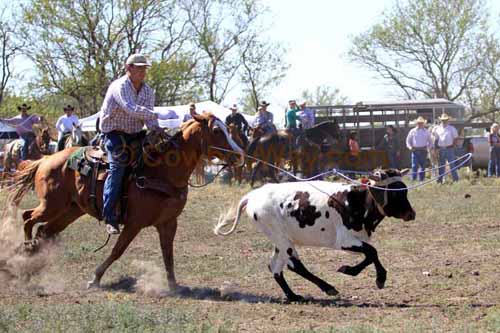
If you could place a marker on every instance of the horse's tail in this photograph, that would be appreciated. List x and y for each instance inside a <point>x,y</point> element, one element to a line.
<point>225,219</point>
<point>24,180</point>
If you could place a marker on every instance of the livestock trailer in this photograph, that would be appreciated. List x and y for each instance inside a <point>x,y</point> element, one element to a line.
<point>369,119</point>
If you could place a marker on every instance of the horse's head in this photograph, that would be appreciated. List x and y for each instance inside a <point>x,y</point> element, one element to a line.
<point>235,133</point>
<point>43,137</point>
<point>76,134</point>
<point>216,140</point>
<point>256,132</point>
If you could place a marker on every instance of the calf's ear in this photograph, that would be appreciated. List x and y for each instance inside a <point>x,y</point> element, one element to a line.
<point>404,172</point>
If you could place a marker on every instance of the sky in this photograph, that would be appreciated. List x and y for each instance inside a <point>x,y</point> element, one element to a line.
<point>318,34</point>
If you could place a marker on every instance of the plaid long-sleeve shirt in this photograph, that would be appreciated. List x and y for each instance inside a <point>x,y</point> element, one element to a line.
<point>126,110</point>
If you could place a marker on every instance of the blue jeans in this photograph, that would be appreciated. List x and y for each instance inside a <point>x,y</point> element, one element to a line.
<point>393,159</point>
<point>447,154</point>
<point>26,141</point>
<point>494,162</point>
<point>120,156</point>
<point>418,159</point>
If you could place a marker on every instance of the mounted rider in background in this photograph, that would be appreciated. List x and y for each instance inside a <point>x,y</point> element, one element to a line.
<point>64,126</point>
<point>23,123</point>
<point>239,122</point>
<point>263,121</point>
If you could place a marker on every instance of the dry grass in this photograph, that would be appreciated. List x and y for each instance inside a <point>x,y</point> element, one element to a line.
<point>442,275</point>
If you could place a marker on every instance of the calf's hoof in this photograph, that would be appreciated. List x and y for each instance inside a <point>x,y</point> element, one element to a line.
<point>332,292</point>
<point>380,284</point>
<point>295,299</point>
<point>381,277</point>
<point>347,270</point>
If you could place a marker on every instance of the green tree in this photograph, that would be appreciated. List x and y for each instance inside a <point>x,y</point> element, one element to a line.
<point>323,95</point>
<point>428,48</point>
<point>10,47</point>
<point>263,68</point>
<point>174,80</point>
<point>79,46</point>
<point>221,30</point>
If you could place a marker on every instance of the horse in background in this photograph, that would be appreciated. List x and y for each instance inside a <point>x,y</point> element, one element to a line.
<point>76,138</point>
<point>300,151</point>
<point>236,135</point>
<point>38,147</point>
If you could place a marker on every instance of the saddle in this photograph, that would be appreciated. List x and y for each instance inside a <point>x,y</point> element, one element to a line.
<point>92,162</point>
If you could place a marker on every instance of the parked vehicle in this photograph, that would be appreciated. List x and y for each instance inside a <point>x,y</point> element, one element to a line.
<point>480,149</point>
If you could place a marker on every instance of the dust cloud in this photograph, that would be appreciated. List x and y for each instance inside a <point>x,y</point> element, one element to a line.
<point>22,272</point>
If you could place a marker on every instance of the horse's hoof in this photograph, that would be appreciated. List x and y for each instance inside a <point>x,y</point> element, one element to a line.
<point>93,284</point>
<point>173,287</point>
<point>380,284</point>
<point>31,246</point>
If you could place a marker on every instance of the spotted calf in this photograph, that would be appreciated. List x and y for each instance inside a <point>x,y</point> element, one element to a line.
<point>326,214</point>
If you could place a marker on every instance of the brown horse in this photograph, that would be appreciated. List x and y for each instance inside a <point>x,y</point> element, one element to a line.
<point>64,193</point>
<point>302,152</point>
<point>38,148</point>
<point>237,170</point>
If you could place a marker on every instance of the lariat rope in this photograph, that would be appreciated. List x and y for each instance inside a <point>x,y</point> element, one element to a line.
<point>340,173</point>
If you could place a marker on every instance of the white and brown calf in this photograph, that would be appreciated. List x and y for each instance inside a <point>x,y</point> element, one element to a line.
<point>326,214</point>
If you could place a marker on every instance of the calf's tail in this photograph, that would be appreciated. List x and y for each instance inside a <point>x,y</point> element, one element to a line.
<point>225,219</point>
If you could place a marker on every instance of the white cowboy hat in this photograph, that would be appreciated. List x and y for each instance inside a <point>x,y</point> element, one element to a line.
<point>137,59</point>
<point>420,120</point>
<point>444,117</point>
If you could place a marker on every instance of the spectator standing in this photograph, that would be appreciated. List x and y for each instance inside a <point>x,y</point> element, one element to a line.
<point>494,141</point>
<point>418,141</point>
<point>390,145</point>
<point>447,137</point>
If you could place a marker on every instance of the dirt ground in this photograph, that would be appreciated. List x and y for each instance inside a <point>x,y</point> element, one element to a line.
<point>442,274</point>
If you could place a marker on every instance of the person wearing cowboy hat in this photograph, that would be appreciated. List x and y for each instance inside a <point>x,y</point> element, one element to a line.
<point>306,116</point>
<point>64,125</point>
<point>127,107</point>
<point>23,123</point>
<point>447,137</point>
<point>418,141</point>
<point>264,119</point>
<point>239,122</point>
